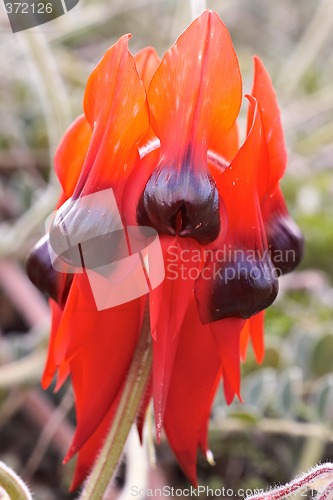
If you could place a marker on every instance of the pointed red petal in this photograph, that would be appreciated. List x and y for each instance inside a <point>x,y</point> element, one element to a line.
<point>60,340</point>
<point>90,342</point>
<point>203,435</point>
<point>147,61</point>
<point>70,317</point>
<point>194,376</point>
<point>226,334</point>
<point>70,154</point>
<point>195,94</point>
<point>168,306</point>
<point>242,281</point>
<point>89,451</point>
<point>228,145</point>
<point>254,330</point>
<point>98,368</point>
<point>244,339</point>
<point>257,335</point>
<point>275,155</point>
<point>51,365</point>
<point>116,108</point>
<point>237,186</point>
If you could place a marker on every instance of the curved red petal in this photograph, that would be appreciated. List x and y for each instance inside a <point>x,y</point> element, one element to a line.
<point>89,451</point>
<point>242,281</point>
<point>97,346</point>
<point>253,329</point>
<point>70,154</point>
<point>147,61</point>
<point>257,335</point>
<point>237,186</point>
<point>274,160</point>
<point>116,108</point>
<point>195,372</point>
<point>227,146</point>
<point>244,339</point>
<point>51,365</point>
<point>168,306</point>
<point>195,94</point>
<point>98,367</point>
<point>226,334</point>
<point>203,435</point>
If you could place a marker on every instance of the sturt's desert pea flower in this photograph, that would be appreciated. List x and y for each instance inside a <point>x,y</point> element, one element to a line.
<point>163,136</point>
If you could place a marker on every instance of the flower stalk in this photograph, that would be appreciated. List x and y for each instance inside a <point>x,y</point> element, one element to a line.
<point>12,484</point>
<point>134,388</point>
<point>319,478</point>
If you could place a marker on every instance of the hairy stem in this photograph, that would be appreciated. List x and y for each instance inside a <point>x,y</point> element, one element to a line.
<point>12,484</point>
<point>133,391</point>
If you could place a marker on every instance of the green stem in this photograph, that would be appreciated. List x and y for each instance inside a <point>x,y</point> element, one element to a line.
<point>133,391</point>
<point>12,484</point>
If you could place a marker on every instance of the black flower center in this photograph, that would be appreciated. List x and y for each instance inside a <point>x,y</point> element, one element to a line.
<point>181,201</point>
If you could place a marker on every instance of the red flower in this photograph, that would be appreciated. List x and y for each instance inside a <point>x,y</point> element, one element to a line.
<point>163,136</point>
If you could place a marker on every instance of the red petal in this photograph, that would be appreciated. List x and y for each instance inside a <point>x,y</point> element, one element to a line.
<point>60,340</point>
<point>98,368</point>
<point>237,186</point>
<point>275,155</point>
<point>135,186</point>
<point>89,451</point>
<point>98,345</point>
<point>71,316</point>
<point>245,246</point>
<point>244,339</point>
<point>203,436</point>
<point>257,335</point>
<point>116,108</point>
<point>228,145</point>
<point>195,94</point>
<point>51,365</point>
<point>168,305</point>
<point>254,330</point>
<point>147,61</point>
<point>194,376</point>
<point>70,155</point>
<point>226,334</point>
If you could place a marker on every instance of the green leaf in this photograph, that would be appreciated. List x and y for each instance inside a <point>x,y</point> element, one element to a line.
<point>322,356</point>
<point>321,399</point>
<point>289,389</point>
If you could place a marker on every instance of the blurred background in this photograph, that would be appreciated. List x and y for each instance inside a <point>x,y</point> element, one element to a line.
<point>285,425</point>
